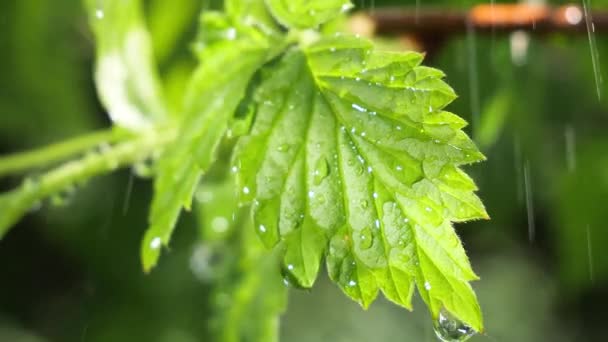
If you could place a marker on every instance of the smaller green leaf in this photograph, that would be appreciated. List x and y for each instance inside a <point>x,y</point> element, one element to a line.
<point>125,73</point>
<point>304,14</point>
<point>252,13</point>
<point>303,263</point>
<point>248,294</point>
<point>213,96</point>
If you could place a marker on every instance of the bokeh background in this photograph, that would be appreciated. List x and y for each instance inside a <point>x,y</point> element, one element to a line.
<point>72,273</point>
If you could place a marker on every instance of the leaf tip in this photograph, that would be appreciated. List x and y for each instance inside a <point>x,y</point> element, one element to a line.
<point>150,250</point>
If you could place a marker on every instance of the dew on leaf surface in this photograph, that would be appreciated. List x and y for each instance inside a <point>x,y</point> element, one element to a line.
<point>155,243</point>
<point>321,171</point>
<point>366,238</point>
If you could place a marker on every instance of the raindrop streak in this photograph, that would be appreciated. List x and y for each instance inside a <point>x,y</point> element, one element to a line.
<point>595,55</point>
<point>450,329</point>
<point>493,20</point>
<point>127,201</point>
<point>529,204</point>
<point>590,254</point>
<point>518,162</point>
<point>570,137</point>
<point>473,77</point>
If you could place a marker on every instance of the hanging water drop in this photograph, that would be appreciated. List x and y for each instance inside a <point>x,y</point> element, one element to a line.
<point>63,198</point>
<point>450,329</point>
<point>289,279</point>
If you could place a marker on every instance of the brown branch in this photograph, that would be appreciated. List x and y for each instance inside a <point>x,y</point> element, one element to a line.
<point>484,19</point>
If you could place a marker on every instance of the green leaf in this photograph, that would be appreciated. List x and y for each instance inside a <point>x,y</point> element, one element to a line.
<point>216,89</point>
<point>252,13</point>
<point>304,14</point>
<point>248,293</point>
<point>125,74</point>
<point>352,157</point>
<point>251,294</point>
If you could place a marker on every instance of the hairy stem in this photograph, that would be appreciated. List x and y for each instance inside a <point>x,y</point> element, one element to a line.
<point>45,156</point>
<point>17,202</point>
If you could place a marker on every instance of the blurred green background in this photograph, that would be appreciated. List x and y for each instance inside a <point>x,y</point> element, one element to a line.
<point>72,273</point>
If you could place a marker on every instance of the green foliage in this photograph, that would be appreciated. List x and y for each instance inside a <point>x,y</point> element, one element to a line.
<point>340,124</point>
<point>304,14</point>
<point>347,155</point>
<point>249,294</point>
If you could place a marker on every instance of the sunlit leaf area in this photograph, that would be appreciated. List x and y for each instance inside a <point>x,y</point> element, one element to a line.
<point>303,171</point>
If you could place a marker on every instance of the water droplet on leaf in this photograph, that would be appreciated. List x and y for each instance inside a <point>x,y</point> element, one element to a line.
<point>262,228</point>
<point>366,238</point>
<point>155,243</point>
<point>321,170</point>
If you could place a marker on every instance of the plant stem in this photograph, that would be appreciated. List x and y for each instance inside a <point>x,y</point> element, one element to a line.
<point>48,155</point>
<point>17,202</point>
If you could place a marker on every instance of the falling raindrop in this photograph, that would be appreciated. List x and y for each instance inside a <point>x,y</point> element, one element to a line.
<point>473,77</point>
<point>127,201</point>
<point>570,137</point>
<point>427,286</point>
<point>450,329</point>
<point>595,55</point>
<point>520,42</point>
<point>529,202</point>
<point>590,254</point>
